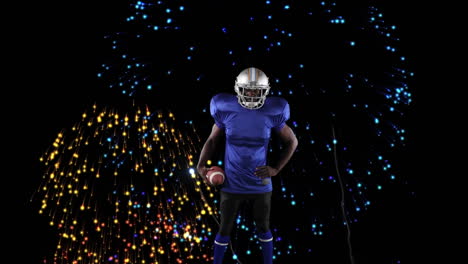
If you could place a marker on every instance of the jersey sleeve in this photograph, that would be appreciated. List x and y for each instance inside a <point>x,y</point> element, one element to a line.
<point>279,121</point>
<point>216,113</point>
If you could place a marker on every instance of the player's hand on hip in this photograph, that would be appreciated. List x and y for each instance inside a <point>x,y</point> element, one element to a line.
<point>265,171</point>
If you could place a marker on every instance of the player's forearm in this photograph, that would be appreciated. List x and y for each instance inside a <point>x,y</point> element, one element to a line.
<point>206,153</point>
<point>286,153</point>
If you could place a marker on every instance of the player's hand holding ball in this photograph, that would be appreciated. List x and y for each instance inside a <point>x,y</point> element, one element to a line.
<point>214,175</point>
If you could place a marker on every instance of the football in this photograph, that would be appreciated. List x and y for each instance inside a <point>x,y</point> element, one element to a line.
<point>215,176</point>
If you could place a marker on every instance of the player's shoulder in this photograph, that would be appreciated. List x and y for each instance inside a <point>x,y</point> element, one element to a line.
<point>223,101</point>
<point>276,102</point>
<point>223,97</point>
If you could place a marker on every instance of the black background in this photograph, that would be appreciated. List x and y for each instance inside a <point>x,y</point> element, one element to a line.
<point>55,56</point>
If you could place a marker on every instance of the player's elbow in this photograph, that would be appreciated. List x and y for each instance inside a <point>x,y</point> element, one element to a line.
<point>292,142</point>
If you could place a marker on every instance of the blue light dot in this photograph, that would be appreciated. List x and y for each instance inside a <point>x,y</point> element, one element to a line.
<point>335,141</point>
<point>109,139</point>
<point>293,202</point>
<point>220,162</point>
<point>267,2</point>
<point>191,171</point>
<point>168,10</point>
<point>359,185</point>
<point>286,7</point>
<point>301,66</point>
<point>249,48</point>
<point>149,87</point>
<point>248,252</point>
<point>402,58</point>
<point>234,257</point>
<point>145,16</point>
<point>350,171</point>
<point>224,29</point>
<point>379,187</point>
<point>169,20</point>
<point>181,8</point>
<point>376,120</point>
<point>269,17</point>
<point>352,43</point>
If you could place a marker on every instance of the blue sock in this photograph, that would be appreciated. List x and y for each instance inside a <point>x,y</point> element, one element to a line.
<point>220,245</point>
<point>266,241</point>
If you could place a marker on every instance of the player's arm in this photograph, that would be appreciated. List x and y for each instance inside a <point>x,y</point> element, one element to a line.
<point>209,148</point>
<point>289,142</point>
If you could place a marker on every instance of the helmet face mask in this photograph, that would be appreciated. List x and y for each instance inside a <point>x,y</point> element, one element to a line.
<point>252,87</point>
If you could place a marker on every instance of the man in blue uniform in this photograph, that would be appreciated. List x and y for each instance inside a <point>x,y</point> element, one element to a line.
<point>247,121</point>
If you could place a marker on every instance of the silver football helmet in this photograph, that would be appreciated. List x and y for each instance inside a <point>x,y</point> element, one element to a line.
<point>252,87</point>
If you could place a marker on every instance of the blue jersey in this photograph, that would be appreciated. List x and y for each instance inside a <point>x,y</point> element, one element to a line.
<point>247,136</point>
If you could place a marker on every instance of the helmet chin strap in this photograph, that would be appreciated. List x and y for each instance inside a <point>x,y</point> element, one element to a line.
<point>250,105</point>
